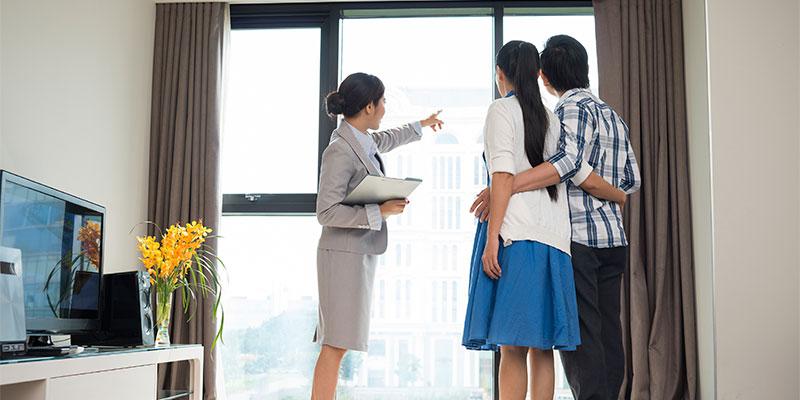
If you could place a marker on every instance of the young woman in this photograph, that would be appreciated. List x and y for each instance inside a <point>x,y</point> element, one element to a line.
<point>522,293</point>
<point>352,236</point>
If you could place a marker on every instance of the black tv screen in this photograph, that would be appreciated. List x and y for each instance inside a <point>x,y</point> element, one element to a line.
<point>59,240</point>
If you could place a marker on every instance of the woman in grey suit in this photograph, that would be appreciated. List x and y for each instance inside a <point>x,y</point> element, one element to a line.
<point>352,236</point>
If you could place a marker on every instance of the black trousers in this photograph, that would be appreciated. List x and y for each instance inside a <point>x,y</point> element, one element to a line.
<point>595,370</point>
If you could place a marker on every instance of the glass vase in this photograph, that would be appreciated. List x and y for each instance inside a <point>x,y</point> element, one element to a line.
<point>163,311</point>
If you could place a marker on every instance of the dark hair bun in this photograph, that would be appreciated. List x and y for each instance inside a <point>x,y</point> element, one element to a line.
<point>355,92</point>
<point>334,103</point>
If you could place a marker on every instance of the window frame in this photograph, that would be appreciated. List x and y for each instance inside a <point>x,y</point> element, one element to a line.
<point>328,17</point>
<point>283,16</point>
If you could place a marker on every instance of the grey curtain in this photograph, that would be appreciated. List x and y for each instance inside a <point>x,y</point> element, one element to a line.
<point>640,58</point>
<point>184,150</point>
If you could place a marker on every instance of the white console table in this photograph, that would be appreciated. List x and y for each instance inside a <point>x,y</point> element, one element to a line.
<point>124,374</point>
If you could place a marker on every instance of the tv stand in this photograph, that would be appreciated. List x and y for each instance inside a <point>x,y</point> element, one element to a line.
<point>123,374</point>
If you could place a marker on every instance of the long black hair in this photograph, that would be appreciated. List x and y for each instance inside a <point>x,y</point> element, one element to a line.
<point>519,61</point>
<point>355,92</point>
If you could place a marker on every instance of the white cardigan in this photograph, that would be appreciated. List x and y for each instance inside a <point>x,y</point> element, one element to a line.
<point>530,215</point>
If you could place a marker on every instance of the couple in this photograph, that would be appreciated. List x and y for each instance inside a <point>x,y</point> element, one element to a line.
<point>547,242</point>
<point>522,295</point>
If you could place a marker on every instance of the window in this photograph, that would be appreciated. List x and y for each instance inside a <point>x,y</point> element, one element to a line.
<point>377,348</point>
<point>458,212</point>
<point>254,113</point>
<point>448,213</point>
<point>443,301</point>
<point>444,363</point>
<point>479,171</point>
<point>442,173</point>
<point>270,313</point>
<point>475,172</point>
<point>398,299</point>
<point>450,172</point>
<point>454,308</point>
<point>457,172</point>
<point>538,28</point>
<point>408,298</point>
<point>377,378</point>
<point>263,210</point>
<point>382,294</point>
<point>400,166</point>
<point>449,209</point>
<point>435,260</point>
<point>434,172</point>
<point>434,211</point>
<point>398,253</point>
<point>435,301</point>
<point>456,259</point>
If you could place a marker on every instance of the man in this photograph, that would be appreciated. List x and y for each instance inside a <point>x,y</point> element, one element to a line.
<point>593,139</point>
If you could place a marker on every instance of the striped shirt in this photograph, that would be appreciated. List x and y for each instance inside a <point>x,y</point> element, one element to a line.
<point>594,134</point>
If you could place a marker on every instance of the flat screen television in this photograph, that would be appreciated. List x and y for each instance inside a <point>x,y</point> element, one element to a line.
<point>59,239</point>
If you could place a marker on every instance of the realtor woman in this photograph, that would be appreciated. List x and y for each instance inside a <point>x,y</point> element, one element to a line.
<point>352,235</point>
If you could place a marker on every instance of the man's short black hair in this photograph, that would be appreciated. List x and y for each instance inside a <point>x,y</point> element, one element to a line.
<point>565,63</point>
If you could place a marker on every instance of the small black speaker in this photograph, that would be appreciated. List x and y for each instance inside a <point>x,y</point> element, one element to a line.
<point>126,315</point>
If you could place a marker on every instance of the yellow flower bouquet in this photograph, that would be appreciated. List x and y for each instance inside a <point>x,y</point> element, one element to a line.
<point>181,260</point>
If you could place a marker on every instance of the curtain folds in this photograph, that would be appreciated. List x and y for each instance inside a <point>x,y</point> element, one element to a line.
<point>640,59</point>
<point>190,39</point>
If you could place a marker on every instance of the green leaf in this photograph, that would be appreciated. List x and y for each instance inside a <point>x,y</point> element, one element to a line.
<point>218,336</point>
<point>146,223</point>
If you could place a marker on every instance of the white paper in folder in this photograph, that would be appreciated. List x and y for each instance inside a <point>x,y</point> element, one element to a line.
<point>378,189</point>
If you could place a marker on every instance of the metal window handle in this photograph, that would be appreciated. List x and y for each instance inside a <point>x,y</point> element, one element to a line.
<point>252,197</point>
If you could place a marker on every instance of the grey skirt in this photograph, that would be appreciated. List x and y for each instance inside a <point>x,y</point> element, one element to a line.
<point>345,282</point>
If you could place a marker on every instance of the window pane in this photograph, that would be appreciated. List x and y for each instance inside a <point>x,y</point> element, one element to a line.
<point>537,29</point>
<point>272,112</point>
<point>423,348</point>
<point>270,299</point>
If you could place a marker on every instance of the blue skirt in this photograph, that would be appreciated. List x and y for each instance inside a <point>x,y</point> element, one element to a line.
<point>531,305</point>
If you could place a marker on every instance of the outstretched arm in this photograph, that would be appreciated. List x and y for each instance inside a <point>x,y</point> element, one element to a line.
<point>389,139</point>
<point>568,163</point>
<point>543,175</point>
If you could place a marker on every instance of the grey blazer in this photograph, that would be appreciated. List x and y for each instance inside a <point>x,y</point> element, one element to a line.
<point>344,165</point>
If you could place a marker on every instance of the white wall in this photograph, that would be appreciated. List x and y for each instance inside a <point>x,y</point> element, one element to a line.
<point>753,62</point>
<point>76,83</point>
<point>696,69</point>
